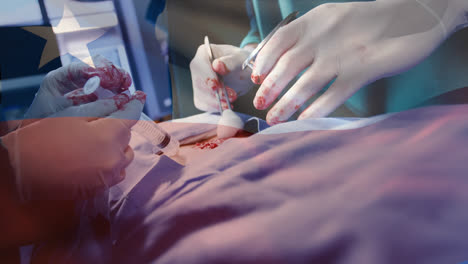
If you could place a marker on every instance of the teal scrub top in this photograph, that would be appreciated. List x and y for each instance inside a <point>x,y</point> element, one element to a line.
<point>444,71</point>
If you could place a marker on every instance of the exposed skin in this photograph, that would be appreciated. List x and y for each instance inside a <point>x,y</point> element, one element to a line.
<point>190,152</point>
<point>343,46</point>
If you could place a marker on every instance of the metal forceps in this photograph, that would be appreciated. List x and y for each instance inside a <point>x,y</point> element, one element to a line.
<point>254,53</point>
<point>220,78</point>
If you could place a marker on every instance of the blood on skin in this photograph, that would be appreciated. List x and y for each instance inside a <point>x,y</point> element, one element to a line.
<point>224,105</point>
<point>80,78</point>
<point>139,95</point>
<point>296,107</point>
<point>78,97</point>
<point>258,79</point>
<point>273,119</point>
<point>127,80</point>
<point>210,144</point>
<point>213,83</point>
<point>113,79</point>
<point>221,68</point>
<point>269,92</point>
<point>260,102</point>
<point>121,100</point>
<point>216,142</point>
<point>231,94</point>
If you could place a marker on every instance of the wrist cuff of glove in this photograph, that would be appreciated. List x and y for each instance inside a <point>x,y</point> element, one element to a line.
<point>435,15</point>
<point>451,19</point>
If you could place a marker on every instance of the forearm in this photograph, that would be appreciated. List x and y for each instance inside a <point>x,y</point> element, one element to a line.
<point>29,224</point>
<point>25,223</point>
<point>456,17</point>
<point>445,16</point>
<point>453,14</point>
<point>13,215</point>
<point>463,21</point>
<point>463,4</point>
<point>16,227</point>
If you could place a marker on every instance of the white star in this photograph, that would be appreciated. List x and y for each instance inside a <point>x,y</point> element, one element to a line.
<point>68,23</point>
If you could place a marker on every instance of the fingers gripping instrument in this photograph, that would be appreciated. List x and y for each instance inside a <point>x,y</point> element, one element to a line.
<point>162,142</point>
<point>211,59</point>
<point>230,122</point>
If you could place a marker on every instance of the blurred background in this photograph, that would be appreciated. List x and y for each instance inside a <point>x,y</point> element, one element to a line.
<point>155,48</point>
<point>224,21</point>
<point>155,41</point>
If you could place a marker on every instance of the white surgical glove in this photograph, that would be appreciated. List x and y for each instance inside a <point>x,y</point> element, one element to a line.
<point>71,78</point>
<point>353,44</point>
<point>74,153</point>
<point>228,64</point>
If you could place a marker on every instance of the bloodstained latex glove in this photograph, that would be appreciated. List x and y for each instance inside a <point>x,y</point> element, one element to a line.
<point>351,44</point>
<point>71,78</point>
<point>229,65</point>
<point>74,154</point>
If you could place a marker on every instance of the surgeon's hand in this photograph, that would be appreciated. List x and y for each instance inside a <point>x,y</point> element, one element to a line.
<point>229,65</point>
<point>352,44</point>
<point>76,152</point>
<point>71,78</point>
